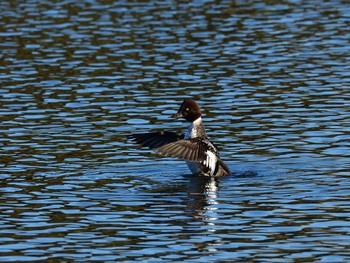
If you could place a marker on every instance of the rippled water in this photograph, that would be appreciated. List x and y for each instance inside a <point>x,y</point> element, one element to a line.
<point>272,79</point>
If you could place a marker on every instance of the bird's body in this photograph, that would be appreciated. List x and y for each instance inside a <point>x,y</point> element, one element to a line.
<point>201,156</point>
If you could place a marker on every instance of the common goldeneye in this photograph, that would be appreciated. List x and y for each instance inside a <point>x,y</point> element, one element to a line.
<point>200,154</point>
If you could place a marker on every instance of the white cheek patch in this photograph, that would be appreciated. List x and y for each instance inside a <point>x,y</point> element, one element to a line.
<point>210,161</point>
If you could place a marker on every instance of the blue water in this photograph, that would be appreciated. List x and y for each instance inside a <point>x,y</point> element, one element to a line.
<point>272,80</point>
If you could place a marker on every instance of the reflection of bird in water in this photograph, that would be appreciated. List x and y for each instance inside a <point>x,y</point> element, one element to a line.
<point>197,194</point>
<point>201,156</point>
<point>191,203</point>
<point>202,193</point>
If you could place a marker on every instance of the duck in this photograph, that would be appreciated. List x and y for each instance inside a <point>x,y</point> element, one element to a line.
<point>201,155</point>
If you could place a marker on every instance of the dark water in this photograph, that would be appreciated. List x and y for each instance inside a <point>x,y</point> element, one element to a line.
<point>272,78</point>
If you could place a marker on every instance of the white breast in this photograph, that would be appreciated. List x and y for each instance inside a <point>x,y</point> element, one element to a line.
<point>192,131</point>
<point>194,167</point>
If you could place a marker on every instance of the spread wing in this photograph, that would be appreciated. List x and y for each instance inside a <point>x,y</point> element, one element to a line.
<point>193,150</point>
<point>172,144</point>
<point>155,139</point>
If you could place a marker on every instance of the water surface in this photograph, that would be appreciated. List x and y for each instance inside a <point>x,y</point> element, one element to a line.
<point>272,80</point>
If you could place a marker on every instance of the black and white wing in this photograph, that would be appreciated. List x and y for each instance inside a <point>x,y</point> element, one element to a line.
<point>154,140</point>
<point>193,150</point>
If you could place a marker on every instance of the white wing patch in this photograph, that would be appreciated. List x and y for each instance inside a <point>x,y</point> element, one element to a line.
<point>210,161</point>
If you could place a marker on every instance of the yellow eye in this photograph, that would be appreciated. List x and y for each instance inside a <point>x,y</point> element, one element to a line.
<point>187,109</point>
